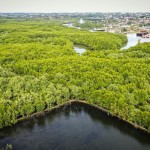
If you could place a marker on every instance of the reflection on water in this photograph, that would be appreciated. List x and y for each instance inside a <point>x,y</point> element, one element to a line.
<point>133,40</point>
<point>75,127</point>
<point>79,49</point>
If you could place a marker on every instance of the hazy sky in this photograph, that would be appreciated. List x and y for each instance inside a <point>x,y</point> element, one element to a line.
<point>74,5</point>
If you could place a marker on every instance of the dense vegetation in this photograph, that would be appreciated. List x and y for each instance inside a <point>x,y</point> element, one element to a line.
<point>39,69</point>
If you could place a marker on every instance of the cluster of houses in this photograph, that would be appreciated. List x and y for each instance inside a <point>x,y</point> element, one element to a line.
<point>125,23</point>
<point>143,34</point>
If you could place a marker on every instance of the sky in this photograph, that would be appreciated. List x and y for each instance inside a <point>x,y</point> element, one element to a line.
<point>48,6</point>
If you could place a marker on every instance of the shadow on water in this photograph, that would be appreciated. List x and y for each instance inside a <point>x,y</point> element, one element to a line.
<point>109,121</point>
<point>74,126</point>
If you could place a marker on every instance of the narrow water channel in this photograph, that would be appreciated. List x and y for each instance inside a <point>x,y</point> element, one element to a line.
<point>74,127</point>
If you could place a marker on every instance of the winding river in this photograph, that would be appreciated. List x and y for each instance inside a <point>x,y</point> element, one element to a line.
<point>74,127</point>
<point>133,40</point>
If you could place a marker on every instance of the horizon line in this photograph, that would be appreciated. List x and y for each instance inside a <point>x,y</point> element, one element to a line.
<point>84,12</point>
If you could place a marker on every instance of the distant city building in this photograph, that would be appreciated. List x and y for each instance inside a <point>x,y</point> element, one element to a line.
<point>142,33</point>
<point>81,21</point>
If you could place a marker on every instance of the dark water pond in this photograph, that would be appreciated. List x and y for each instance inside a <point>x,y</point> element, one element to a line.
<point>74,127</point>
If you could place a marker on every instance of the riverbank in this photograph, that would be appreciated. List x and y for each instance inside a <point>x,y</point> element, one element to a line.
<point>133,40</point>
<point>46,111</point>
<point>81,126</point>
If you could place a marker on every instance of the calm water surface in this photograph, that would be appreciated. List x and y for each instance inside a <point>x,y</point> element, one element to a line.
<point>74,127</point>
<point>80,49</point>
<point>133,40</point>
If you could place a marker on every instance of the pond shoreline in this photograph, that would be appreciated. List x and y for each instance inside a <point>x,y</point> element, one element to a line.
<point>80,49</point>
<point>46,111</point>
